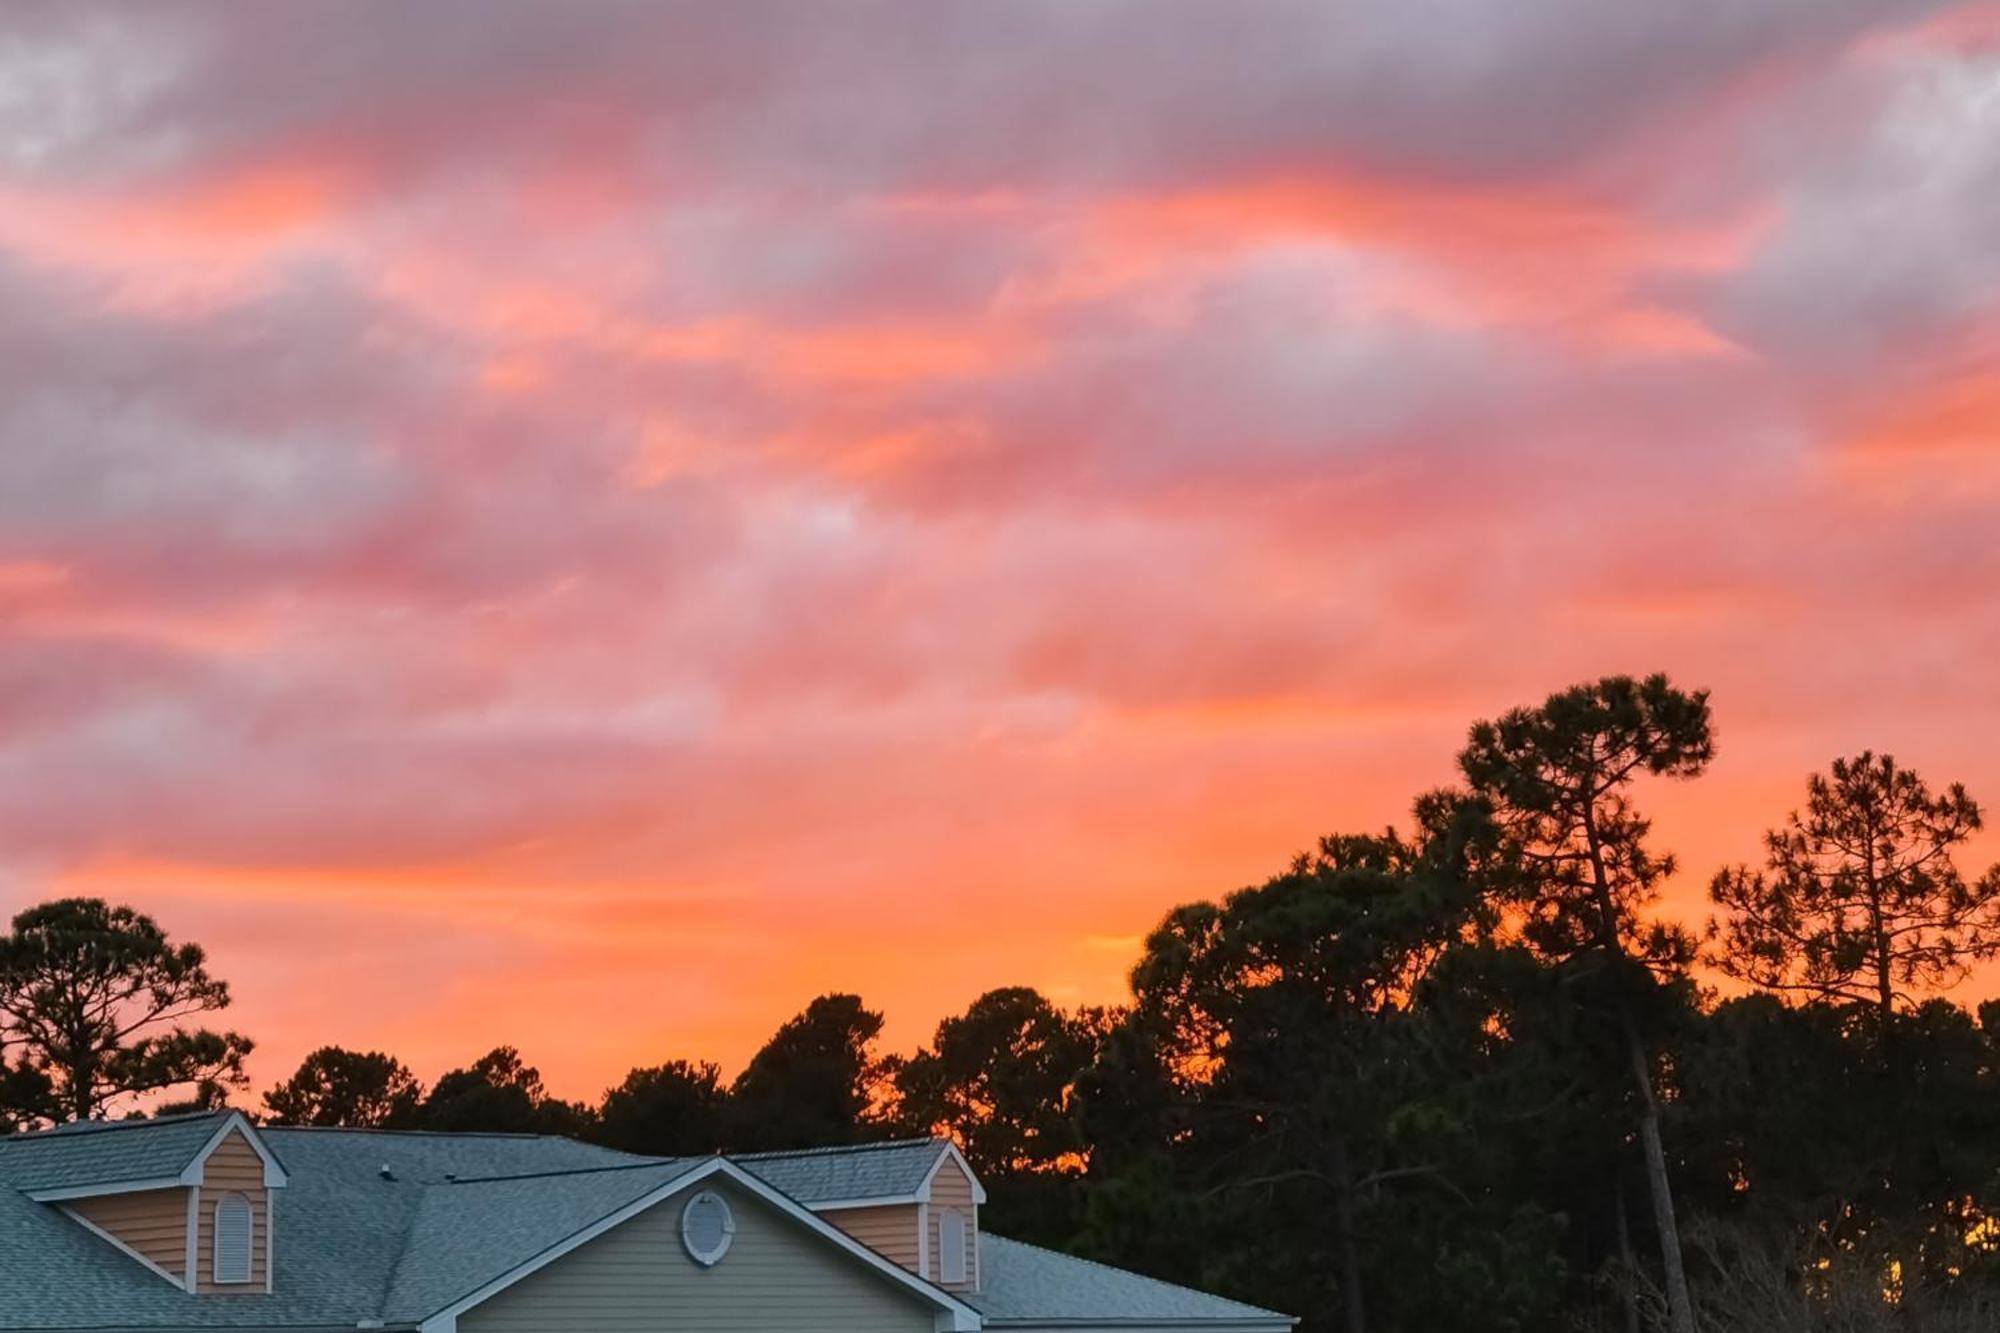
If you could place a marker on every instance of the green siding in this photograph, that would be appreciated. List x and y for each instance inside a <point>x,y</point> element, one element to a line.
<point>636,1278</point>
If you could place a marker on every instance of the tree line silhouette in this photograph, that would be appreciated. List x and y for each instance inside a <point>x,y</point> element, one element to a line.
<point>1461,1076</point>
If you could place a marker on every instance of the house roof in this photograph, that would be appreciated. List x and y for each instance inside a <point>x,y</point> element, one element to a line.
<point>816,1176</point>
<point>1024,1286</point>
<point>404,1225</point>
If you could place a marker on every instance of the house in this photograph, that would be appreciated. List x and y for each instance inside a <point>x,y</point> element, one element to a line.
<point>210,1222</point>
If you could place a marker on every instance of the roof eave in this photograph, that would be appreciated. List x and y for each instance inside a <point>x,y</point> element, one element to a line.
<point>64,1193</point>
<point>1233,1323</point>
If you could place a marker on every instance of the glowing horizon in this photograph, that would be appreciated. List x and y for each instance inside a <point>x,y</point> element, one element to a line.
<point>585,526</point>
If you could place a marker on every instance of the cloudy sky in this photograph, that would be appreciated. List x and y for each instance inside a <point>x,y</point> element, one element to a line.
<point>588,524</point>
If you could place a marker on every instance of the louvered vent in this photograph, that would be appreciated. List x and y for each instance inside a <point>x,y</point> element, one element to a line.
<point>707,1228</point>
<point>232,1239</point>
<point>951,1247</point>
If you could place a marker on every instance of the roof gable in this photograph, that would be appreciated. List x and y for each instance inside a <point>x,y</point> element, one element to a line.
<point>953,1313</point>
<point>952,1159</point>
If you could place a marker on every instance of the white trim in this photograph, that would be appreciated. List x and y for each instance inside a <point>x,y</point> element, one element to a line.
<point>953,1314</point>
<point>274,1175</point>
<point>194,1235</point>
<point>270,1245</point>
<point>923,1240</point>
<point>93,1191</point>
<point>1275,1324</point>
<point>102,1234</point>
<point>872,1201</point>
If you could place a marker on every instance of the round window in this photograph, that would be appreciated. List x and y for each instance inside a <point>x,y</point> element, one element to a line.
<point>707,1227</point>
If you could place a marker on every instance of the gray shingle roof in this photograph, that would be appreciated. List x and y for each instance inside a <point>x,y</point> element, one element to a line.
<point>42,1253</point>
<point>366,1227</point>
<point>1025,1286</point>
<point>860,1171</point>
<point>106,1152</point>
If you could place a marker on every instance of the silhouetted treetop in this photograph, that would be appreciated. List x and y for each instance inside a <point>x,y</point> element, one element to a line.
<point>349,1090</point>
<point>95,999</point>
<point>817,1081</point>
<point>998,1079</point>
<point>1556,782</point>
<point>1860,898</point>
<point>499,1093</point>
<point>677,1109</point>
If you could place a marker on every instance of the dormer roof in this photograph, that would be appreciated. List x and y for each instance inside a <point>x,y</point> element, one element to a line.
<point>860,1175</point>
<point>119,1156</point>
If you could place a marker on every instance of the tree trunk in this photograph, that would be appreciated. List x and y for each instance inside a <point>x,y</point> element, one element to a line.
<point>1628,1279</point>
<point>1885,990</point>
<point>1680,1305</point>
<point>81,1072</point>
<point>1347,1256</point>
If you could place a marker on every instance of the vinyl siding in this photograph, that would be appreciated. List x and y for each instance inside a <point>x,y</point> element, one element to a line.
<point>951,1189</point>
<point>153,1222</point>
<point>636,1278</point>
<point>890,1231</point>
<point>233,1168</point>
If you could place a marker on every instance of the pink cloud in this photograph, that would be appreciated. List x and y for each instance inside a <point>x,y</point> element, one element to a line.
<point>518,501</point>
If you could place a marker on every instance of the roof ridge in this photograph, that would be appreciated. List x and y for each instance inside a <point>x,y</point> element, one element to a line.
<point>836,1149</point>
<point>81,1128</point>
<point>984,1234</point>
<point>410,1219</point>
<point>381,1132</point>
<point>640,1165</point>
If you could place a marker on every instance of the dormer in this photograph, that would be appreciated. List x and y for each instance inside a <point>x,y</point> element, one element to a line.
<point>191,1198</point>
<point>233,1205</point>
<point>949,1215</point>
<point>916,1203</point>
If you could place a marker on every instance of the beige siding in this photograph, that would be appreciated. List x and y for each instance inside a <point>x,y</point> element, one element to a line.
<point>951,1189</point>
<point>890,1231</point>
<point>233,1168</point>
<point>636,1278</point>
<point>153,1222</point>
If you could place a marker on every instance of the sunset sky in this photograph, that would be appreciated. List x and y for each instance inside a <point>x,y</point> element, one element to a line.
<point>585,525</point>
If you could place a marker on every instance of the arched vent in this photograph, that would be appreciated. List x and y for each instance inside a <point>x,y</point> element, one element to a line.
<point>951,1246</point>
<point>233,1222</point>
